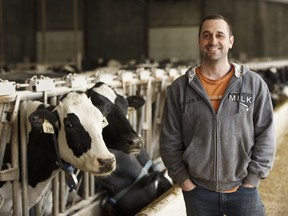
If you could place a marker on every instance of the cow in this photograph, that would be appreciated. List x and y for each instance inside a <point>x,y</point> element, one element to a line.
<point>134,172</point>
<point>133,185</point>
<point>118,134</point>
<point>63,136</point>
<point>276,80</point>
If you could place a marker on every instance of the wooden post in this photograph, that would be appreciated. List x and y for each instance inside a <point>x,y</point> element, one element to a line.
<point>43,22</point>
<point>2,60</point>
<point>77,53</point>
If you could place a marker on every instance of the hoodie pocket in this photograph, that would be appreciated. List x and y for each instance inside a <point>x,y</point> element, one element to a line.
<point>233,159</point>
<point>198,157</point>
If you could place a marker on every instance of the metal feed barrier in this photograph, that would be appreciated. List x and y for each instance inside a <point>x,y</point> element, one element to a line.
<point>146,83</point>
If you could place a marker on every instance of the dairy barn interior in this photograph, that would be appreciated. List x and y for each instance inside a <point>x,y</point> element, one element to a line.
<point>137,48</point>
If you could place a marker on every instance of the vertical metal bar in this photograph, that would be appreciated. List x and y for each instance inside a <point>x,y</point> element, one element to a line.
<point>149,115</point>
<point>141,119</point>
<point>15,156</point>
<point>53,100</point>
<point>86,185</point>
<point>55,194</point>
<point>132,90</point>
<point>146,126</point>
<point>92,185</point>
<point>4,135</point>
<point>157,92</point>
<point>38,208</point>
<point>133,115</point>
<point>45,97</point>
<point>24,161</point>
<point>62,194</point>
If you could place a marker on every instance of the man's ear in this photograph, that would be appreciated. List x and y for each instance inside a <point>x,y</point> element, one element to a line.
<point>231,41</point>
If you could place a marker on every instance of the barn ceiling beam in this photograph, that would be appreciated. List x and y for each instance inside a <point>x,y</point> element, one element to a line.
<point>277,1</point>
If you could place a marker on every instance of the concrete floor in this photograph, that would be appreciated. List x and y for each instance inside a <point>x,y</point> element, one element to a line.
<point>274,190</point>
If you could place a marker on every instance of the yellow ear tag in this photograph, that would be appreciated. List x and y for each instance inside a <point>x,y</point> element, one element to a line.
<point>47,127</point>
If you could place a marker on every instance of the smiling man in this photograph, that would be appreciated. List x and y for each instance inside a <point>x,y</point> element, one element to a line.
<point>217,138</point>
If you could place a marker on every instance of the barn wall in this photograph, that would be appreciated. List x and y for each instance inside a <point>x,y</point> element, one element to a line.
<point>119,29</point>
<point>59,30</point>
<point>259,26</point>
<point>275,22</point>
<point>115,29</point>
<point>59,15</point>
<point>174,33</point>
<point>173,13</point>
<point>17,29</point>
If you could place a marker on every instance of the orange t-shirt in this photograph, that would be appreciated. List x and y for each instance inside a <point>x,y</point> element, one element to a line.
<point>215,89</point>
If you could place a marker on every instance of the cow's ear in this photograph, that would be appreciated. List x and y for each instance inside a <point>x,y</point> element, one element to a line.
<point>135,101</point>
<point>38,117</point>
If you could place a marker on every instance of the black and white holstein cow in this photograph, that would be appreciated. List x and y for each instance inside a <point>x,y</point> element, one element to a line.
<point>277,82</point>
<point>134,183</point>
<point>67,134</point>
<point>118,134</point>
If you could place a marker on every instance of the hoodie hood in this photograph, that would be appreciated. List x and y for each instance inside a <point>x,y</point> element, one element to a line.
<point>239,71</point>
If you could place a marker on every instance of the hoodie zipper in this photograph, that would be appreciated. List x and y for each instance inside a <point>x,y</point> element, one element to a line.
<point>215,120</point>
<point>216,134</point>
<point>215,163</point>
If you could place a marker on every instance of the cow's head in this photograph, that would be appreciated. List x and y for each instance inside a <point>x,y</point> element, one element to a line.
<point>77,125</point>
<point>118,134</point>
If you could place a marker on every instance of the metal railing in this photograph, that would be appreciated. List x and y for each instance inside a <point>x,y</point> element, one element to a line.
<point>146,122</point>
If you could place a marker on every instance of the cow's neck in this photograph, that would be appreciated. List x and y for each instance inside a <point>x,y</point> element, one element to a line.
<point>65,166</point>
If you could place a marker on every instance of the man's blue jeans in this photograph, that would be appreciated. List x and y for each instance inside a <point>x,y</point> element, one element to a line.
<point>243,202</point>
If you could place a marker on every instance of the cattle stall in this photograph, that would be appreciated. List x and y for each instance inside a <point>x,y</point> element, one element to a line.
<point>15,134</point>
<point>49,90</point>
<point>149,83</point>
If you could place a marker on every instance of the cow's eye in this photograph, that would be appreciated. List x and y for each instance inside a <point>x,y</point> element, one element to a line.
<point>67,123</point>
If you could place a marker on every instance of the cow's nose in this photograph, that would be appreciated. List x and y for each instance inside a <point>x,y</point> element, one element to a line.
<point>106,165</point>
<point>135,141</point>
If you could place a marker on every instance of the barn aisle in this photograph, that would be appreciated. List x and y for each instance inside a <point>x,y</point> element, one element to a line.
<point>274,189</point>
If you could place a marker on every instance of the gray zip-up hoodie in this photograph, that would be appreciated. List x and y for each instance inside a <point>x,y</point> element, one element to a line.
<point>220,150</point>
